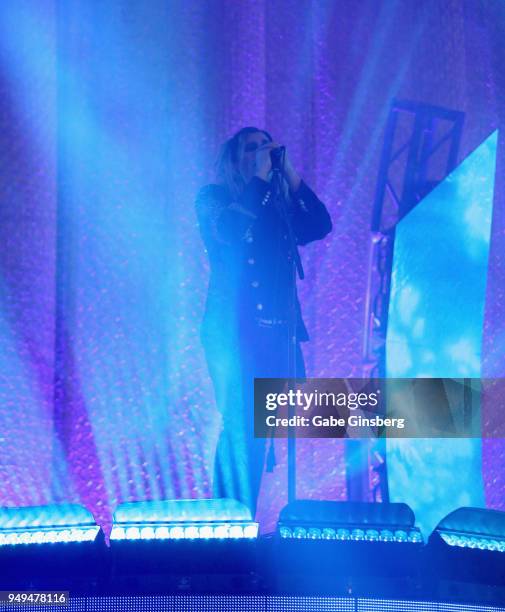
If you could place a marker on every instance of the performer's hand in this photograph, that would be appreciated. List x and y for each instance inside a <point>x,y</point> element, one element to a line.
<point>292,175</point>
<point>263,160</point>
<point>264,165</point>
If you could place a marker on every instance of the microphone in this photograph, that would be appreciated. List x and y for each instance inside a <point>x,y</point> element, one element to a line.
<point>277,158</point>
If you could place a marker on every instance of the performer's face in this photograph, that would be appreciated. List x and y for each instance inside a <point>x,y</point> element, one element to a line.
<point>247,154</point>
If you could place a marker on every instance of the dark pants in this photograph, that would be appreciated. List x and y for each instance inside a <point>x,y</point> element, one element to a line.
<point>261,353</point>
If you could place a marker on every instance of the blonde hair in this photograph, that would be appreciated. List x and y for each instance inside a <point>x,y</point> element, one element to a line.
<point>227,173</point>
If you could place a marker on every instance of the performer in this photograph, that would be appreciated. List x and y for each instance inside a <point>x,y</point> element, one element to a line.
<point>252,287</point>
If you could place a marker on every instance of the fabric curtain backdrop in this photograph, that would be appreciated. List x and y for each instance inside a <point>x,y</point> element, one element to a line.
<point>111,116</point>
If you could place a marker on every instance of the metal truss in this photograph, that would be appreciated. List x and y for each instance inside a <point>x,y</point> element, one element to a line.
<point>420,149</point>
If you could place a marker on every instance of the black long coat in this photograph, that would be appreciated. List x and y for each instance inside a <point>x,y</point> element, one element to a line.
<point>244,330</point>
<point>246,241</point>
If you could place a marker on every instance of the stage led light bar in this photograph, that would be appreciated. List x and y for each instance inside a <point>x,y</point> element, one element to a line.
<point>194,531</point>
<point>465,541</point>
<point>57,523</point>
<point>348,521</point>
<point>349,533</point>
<point>476,528</point>
<point>199,519</point>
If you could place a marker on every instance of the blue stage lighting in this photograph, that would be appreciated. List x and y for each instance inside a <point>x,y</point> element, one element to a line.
<point>57,523</point>
<point>205,519</point>
<point>348,521</point>
<point>476,528</point>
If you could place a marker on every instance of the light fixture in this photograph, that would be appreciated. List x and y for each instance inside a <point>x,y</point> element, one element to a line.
<point>194,519</point>
<point>476,528</point>
<point>348,521</point>
<point>51,524</point>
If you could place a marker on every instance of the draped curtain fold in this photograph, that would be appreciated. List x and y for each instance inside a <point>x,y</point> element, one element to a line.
<point>111,117</point>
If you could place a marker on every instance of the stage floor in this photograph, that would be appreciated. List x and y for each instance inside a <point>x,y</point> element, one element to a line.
<point>251,603</point>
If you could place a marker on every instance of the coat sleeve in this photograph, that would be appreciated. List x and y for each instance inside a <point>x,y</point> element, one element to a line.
<point>223,221</point>
<point>309,216</point>
<point>210,206</point>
